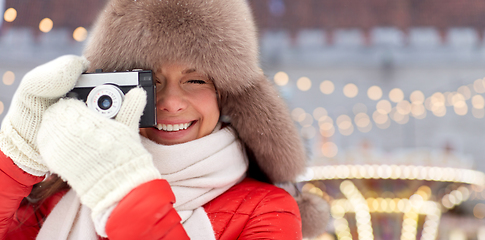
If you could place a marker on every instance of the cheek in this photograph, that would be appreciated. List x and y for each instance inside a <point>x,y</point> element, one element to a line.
<point>208,108</point>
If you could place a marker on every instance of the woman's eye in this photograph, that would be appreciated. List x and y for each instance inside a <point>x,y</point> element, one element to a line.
<point>197,81</point>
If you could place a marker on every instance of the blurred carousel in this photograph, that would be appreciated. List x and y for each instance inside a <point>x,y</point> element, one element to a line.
<point>399,195</point>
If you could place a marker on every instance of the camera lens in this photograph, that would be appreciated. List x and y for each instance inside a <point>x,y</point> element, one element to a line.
<point>105,102</point>
<point>105,99</point>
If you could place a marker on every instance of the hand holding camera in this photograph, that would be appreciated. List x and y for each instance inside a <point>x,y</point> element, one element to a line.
<point>39,89</point>
<point>102,159</point>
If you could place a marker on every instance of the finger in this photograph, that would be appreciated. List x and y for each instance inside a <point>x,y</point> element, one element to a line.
<point>132,108</point>
<point>55,78</point>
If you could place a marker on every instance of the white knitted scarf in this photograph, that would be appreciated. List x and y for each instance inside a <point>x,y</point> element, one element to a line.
<point>198,171</point>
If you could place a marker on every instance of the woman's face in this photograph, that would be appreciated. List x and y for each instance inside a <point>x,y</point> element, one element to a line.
<point>186,106</point>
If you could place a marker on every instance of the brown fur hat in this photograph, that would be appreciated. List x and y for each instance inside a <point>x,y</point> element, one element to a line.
<point>214,36</point>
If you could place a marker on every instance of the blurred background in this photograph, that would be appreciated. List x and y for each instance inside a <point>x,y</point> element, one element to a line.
<point>388,96</point>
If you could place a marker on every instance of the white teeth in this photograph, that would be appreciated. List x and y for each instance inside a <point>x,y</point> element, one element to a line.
<point>174,127</point>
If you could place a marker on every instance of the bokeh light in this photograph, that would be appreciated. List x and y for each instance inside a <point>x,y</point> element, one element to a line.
<point>374,93</point>
<point>379,117</point>
<point>327,87</point>
<point>8,78</point>
<point>281,78</point>
<point>350,90</point>
<point>46,25</point>
<point>10,15</point>
<point>384,106</point>
<point>479,211</point>
<point>418,110</point>
<point>305,120</point>
<point>465,91</point>
<point>417,97</point>
<point>319,112</point>
<point>80,34</point>
<point>478,101</point>
<point>2,107</point>
<point>326,126</point>
<point>362,120</point>
<point>329,149</point>
<point>479,86</point>
<point>396,95</point>
<point>298,114</point>
<point>304,84</point>
<point>403,107</point>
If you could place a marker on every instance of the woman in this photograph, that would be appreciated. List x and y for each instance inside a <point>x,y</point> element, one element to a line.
<point>222,132</point>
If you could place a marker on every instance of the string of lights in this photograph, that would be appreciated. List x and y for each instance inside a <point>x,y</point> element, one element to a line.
<point>396,108</point>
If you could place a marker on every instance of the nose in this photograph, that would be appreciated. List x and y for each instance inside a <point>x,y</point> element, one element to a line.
<point>170,99</point>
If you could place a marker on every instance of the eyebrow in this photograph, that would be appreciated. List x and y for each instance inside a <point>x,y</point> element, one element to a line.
<point>190,70</point>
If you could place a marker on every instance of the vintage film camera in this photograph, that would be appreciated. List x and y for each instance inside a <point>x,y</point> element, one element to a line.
<point>104,92</point>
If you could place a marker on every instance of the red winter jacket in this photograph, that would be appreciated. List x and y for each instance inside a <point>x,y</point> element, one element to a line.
<point>248,210</point>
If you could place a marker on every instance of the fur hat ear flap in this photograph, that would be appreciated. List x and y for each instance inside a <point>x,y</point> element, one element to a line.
<point>314,210</point>
<point>263,122</point>
<point>315,214</point>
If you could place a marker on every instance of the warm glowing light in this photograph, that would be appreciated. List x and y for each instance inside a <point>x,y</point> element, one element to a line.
<point>461,109</point>
<point>10,15</point>
<point>8,78</point>
<point>46,25</point>
<point>479,211</point>
<point>325,120</point>
<point>319,112</point>
<point>409,172</point>
<point>384,125</point>
<point>465,91</point>
<point>350,90</point>
<point>379,118</point>
<point>326,126</point>
<point>327,87</point>
<point>344,124</point>
<point>403,107</point>
<point>80,34</point>
<point>306,120</point>
<point>280,78</point>
<point>298,114</point>
<point>362,120</point>
<point>479,86</point>
<point>478,101</point>
<point>343,121</point>
<point>374,93</point>
<point>417,97</point>
<point>457,98</point>
<point>329,149</point>
<point>396,95</point>
<point>327,130</point>
<point>437,100</point>
<point>457,234</point>
<point>2,107</point>
<point>304,84</point>
<point>384,107</point>
<point>418,111</point>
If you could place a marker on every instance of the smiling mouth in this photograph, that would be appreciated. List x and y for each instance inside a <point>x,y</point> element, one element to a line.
<point>174,127</point>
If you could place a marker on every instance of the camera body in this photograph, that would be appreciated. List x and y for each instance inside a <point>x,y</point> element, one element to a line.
<point>104,92</point>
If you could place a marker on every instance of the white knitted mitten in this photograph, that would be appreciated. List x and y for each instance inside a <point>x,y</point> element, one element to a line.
<point>102,159</point>
<point>39,89</point>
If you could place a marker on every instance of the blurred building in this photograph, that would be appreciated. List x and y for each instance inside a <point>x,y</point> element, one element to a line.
<point>390,77</point>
